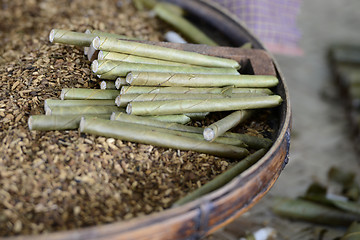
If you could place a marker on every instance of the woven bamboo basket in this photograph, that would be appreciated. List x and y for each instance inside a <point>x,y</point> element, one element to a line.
<point>207,214</point>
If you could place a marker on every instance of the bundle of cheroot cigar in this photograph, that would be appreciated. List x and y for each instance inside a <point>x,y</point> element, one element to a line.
<point>150,94</point>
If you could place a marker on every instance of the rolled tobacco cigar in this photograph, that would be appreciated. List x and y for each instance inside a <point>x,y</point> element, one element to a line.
<point>123,99</point>
<point>110,69</point>
<point>107,85</point>
<point>104,55</point>
<point>85,93</point>
<point>78,38</point>
<point>152,51</point>
<point>251,141</point>
<point>188,90</point>
<point>51,103</point>
<point>223,125</point>
<point>120,82</point>
<point>189,30</point>
<point>223,178</point>
<point>135,133</point>
<point>59,122</point>
<point>178,118</point>
<point>77,110</point>
<point>200,105</point>
<point>168,79</point>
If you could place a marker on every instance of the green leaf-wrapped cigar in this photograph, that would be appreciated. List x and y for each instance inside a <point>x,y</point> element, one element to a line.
<point>189,30</point>
<point>223,178</point>
<point>107,85</point>
<point>135,133</point>
<point>312,212</point>
<point>139,120</point>
<point>113,69</point>
<point>178,118</point>
<point>188,90</point>
<point>123,99</point>
<point>200,105</point>
<point>225,124</point>
<point>76,110</point>
<point>104,55</point>
<point>251,141</point>
<point>85,93</point>
<point>169,54</point>
<point>58,122</point>
<point>120,82</point>
<point>51,103</point>
<point>167,79</point>
<point>77,38</point>
<point>197,116</point>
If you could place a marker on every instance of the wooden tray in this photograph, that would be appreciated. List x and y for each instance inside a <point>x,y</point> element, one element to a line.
<point>212,211</point>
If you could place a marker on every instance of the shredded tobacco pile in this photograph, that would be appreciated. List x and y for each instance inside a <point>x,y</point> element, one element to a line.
<point>55,180</point>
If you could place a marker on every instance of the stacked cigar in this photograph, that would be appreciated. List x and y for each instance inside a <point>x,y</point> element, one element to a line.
<point>151,92</point>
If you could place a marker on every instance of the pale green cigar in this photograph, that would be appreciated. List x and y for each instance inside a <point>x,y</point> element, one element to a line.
<point>147,135</point>
<point>85,93</point>
<point>120,82</point>
<point>178,118</point>
<point>107,85</point>
<point>123,99</point>
<point>144,121</point>
<point>77,110</point>
<point>110,69</point>
<point>169,54</point>
<point>251,141</point>
<point>58,122</point>
<point>189,30</point>
<point>225,124</point>
<point>201,105</point>
<point>104,55</point>
<point>188,90</point>
<point>223,178</point>
<point>51,103</point>
<point>77,38</point>
<point>167,79</point>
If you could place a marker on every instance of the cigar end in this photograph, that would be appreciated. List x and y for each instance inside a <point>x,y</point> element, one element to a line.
<point>62,94</point>
<point>118,83</point>
<point>129,78</point>
<point>96,43</point>
<point>95,66</point>
<point>118,100</point>
<point>112,117</point>
<point>103,85</point>
<point>82,124</point>
<point>100,55</point>
<point>87,31</point>
<point>52,35</point>
<point>30,122</point>
<point>48,111</point>
<point>129,108</point>
<point>208,134</point>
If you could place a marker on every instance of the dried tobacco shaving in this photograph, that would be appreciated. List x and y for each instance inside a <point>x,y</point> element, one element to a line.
<point>169,54</point>
<point>168,79</point>
<point>200,105</point>
<point>109,69</point>
<point>104,55</point>
<point>218,128</point>
<point>188,90</point>
<point>150,135</point>
<point>223,178</point>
